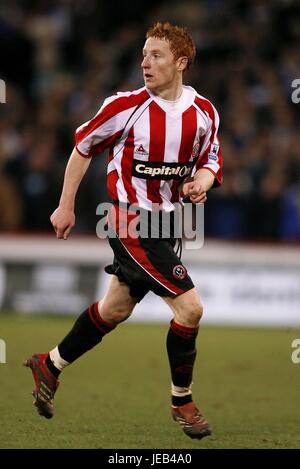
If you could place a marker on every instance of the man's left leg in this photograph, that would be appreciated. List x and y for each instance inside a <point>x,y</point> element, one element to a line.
<point>181,347</point>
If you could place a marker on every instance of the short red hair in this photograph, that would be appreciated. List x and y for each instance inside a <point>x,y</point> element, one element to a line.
<point>181,42</point>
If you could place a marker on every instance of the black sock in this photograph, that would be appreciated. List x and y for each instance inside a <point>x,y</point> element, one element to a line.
<point>177,401</point>
<point>181,347</point>
<point>87,332</point>
<point>55,371</point>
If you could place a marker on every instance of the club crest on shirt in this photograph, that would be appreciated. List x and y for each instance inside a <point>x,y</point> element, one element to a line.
<point>196,150</point>
<point>179,272</point>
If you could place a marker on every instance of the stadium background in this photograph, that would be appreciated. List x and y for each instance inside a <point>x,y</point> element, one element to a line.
<point>59,61</point>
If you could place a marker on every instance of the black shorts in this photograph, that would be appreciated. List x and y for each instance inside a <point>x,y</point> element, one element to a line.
<point>148,264</point>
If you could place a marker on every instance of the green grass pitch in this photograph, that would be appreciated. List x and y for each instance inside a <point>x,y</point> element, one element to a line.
<point>117,395</point>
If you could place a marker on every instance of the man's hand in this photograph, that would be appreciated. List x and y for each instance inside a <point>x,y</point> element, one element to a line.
<point>195,192</point>
<point>63,221</point>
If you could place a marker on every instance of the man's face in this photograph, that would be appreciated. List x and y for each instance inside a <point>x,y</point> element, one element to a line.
<point>159,66</point>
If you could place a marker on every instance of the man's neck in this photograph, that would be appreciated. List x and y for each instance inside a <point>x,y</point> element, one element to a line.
<point>169,94</point>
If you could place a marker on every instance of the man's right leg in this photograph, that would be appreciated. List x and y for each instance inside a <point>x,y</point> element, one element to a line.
<point>88,330</point>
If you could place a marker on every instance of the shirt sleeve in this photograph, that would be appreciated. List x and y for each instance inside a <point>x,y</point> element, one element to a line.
<point>103,130</point>
<point>210,156</point>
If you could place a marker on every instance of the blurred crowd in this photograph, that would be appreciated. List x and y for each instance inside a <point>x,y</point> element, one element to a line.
<point>60,59</point>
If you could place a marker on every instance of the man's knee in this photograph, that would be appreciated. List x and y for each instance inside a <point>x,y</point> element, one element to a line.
<point>114,314</point>
<point>120,315</point>
<point>194,312</point>
<point>189,314</point>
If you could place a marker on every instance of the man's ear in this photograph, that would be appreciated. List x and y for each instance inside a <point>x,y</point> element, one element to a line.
<point>182,63</point>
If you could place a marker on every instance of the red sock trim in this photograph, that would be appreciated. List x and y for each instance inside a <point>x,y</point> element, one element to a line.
<point>97,320</point>
<point>101,320</point>
<point>185,332</point>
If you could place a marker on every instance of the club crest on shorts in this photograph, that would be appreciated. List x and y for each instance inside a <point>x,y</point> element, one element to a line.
<point>179,272</point>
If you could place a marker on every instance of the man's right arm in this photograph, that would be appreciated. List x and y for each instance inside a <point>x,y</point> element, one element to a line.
<point>63,218</point>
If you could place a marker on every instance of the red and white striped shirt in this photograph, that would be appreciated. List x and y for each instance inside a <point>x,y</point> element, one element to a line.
<point>153,144</point>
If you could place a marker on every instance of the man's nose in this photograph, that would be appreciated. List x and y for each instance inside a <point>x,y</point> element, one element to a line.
<point>145,63</point>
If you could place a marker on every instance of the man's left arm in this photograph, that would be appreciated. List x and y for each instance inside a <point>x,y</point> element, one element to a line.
<point>208,168</point>
<point>196,189</point>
